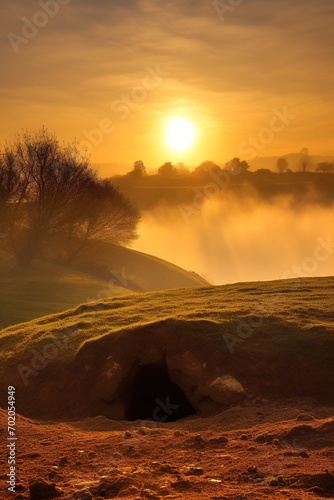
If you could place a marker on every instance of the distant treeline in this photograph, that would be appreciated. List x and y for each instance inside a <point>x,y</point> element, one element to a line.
<point>182,186</point>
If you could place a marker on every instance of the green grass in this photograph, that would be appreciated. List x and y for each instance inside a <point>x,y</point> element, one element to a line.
<point>48,288</point>
<point>286,322</point>
<point>44,289</point>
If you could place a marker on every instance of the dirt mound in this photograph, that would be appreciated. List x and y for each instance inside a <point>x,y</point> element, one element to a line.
<point>162,371</point>
<point>205,351</point>
<point>320,484</point>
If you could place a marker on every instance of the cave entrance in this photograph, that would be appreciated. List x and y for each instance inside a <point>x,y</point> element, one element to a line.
<point>153,396</point>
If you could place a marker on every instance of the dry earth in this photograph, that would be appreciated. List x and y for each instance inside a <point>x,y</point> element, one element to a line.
<point>258,450</point>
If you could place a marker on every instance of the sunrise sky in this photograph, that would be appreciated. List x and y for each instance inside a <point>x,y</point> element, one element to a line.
<point>129,66</point>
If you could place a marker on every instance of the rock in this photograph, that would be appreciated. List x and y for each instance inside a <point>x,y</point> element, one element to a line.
<point>41,490</point>
<point>32,455</point>
<point>289,454</point>
<point>225,390</point>
<point>62,462</point>
<point>196,442</point>
<point>220,441</point>
<point>303,454</point>
<point>181,485</point>
<point>127,492</point>
<point>144,431</point>
<point>193,471</point>
<point>151,495</point>
<point>305,417</point>
<point>83,495</point>
<point>244,437</point>
<point>127,435</point>
<point>164,468</point>
<point>274,482</point>
<point>110,487</point>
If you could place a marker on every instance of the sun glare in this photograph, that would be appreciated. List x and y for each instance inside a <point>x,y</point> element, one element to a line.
<point>180,134</point>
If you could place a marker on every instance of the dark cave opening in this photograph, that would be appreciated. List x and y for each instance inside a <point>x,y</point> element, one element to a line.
<point>153,396</point>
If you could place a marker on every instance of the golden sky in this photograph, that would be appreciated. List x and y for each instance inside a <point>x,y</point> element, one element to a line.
<point>253,76</point>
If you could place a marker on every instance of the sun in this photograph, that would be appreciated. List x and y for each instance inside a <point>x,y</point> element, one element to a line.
<point>180,134</point>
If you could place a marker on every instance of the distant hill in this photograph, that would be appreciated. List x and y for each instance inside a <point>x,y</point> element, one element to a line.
<point>48,288</point>
<point>293,159</point>
<point>138,271</point>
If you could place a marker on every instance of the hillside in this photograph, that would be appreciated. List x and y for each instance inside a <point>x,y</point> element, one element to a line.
<point>48,288</point>
<point>216,344</point>
<point>139,271</point>
<point>215,393</point>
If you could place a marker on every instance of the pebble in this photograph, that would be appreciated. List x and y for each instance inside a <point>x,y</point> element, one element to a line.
<point>83,495</point>
<point>62,462</point>
<point>151,495</point>
<point>41,490</point>
<point>305,417</point>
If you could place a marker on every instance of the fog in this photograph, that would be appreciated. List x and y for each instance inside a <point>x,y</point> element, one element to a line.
<point>226,240</point>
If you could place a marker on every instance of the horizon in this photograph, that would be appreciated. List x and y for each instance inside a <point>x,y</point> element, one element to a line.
<point>239,80</point>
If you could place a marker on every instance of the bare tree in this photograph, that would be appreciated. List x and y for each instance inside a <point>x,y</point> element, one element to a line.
<point>9,187</point>
<point>53,183</point>
<point>101,213</point>
<point>305,159</point>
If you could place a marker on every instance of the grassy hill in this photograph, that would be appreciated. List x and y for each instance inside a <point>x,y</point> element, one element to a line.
<point>217,344</point>
<point>48,288</point>
<point>138,271</point>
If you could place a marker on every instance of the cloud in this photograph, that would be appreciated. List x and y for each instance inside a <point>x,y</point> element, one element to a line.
<point>93,52</point>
